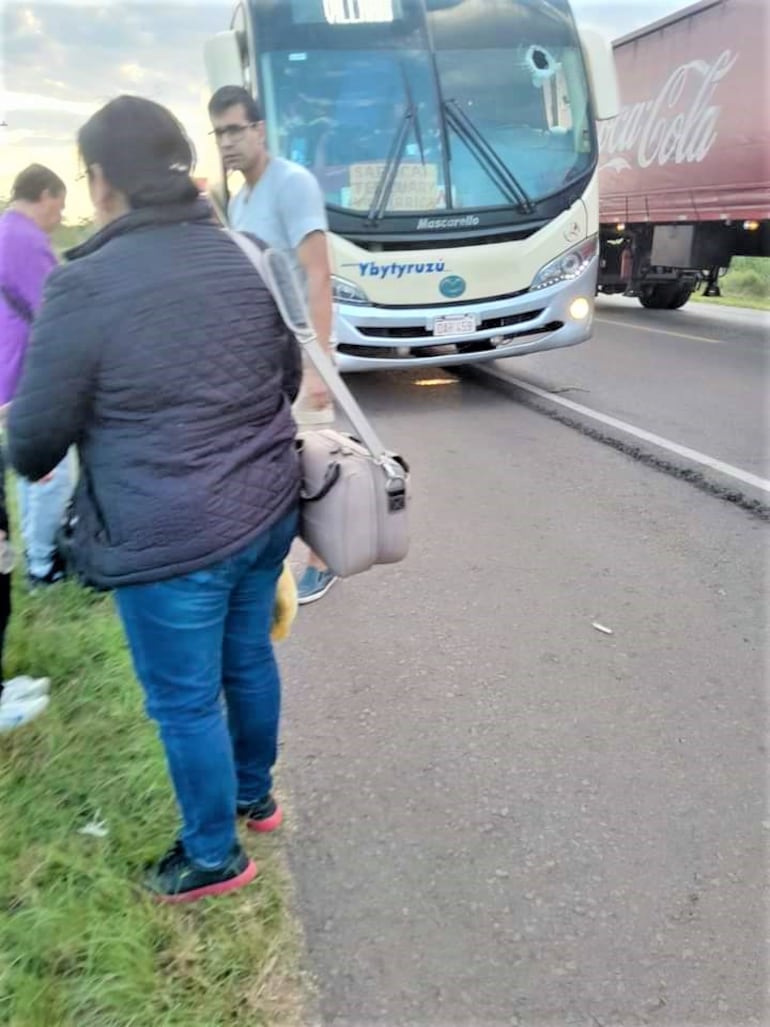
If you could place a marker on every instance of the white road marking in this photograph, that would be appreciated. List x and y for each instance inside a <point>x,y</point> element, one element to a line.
<point>639,433</point>
<point>657,331</point>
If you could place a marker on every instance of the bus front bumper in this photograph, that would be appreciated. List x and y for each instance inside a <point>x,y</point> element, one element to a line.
<point>375,338</point>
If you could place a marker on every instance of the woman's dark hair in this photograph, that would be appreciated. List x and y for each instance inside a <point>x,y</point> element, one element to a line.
<point>32,182</point>
<point>142,150</point>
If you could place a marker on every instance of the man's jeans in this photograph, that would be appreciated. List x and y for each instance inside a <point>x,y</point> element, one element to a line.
<point>194,639</point>
<point>41,509</point>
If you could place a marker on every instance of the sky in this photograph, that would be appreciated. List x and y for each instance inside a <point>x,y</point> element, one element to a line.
<point>59,61</point>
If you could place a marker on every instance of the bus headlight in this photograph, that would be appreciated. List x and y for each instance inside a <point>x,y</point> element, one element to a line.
<point>344,291</point>
<point>568,266</point>
<point>580,309</point>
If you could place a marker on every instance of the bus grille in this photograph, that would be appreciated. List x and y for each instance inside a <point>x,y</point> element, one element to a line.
<point>490,324</point>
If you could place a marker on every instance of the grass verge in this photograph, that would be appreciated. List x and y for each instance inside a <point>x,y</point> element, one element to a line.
<point>746,284</point>
<point>80,945</point>
<point>726,300</point>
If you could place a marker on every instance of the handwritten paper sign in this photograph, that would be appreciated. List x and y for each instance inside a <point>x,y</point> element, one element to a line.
<point>415,187</point>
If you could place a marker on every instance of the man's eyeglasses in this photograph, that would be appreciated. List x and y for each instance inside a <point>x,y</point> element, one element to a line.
<point>231,131</point>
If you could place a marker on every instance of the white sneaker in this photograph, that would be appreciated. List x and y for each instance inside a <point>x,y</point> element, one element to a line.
<point>24,687</point>
<point>17,714</point>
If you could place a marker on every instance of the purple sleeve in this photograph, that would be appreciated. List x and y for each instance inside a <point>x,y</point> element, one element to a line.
<point>27,277</point>
<point>26,260</point>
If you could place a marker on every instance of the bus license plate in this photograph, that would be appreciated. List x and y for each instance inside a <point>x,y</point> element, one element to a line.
<point>455,324</point>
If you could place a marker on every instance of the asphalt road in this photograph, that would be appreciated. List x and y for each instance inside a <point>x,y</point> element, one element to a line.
<point>501,814</point>
<point>696,376</point>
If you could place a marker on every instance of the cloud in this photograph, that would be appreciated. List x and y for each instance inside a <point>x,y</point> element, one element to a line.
<point>133,73</point>
<point>97,50</point>
<point>61,61</point>
<point>39,140</point>
<point>27,104</point>
<point>30,24</point>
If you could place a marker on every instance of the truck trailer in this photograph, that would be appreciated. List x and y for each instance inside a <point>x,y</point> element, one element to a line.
<point>684,170</point>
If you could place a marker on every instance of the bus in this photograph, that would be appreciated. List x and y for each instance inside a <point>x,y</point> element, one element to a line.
<point>456,146</point>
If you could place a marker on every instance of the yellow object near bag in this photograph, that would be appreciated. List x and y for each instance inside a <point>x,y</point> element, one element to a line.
<point>285,609</point>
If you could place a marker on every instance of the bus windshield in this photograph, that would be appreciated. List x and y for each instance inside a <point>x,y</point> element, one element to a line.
<point>426,105</point>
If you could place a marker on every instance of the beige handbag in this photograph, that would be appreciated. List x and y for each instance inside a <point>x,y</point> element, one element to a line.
<point>355,493</point>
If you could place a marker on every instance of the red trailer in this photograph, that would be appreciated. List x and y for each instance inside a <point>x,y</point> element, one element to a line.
<point>685,167</point>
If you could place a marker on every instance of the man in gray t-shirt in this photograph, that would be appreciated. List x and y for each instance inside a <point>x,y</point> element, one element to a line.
<point>282,204</point>
<point>284,207</point>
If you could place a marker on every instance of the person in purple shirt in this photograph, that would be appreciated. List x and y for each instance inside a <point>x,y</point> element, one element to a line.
<point>26,259</point>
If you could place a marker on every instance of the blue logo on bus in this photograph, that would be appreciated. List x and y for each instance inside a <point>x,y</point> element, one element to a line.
<point>452,286</point>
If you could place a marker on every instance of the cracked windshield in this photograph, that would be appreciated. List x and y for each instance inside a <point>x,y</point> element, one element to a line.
<point>415,118</point>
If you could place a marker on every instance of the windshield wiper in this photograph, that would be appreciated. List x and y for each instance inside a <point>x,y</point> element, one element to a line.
<point>488,157</point>
<point>396,154</point>
<point>415,115</point>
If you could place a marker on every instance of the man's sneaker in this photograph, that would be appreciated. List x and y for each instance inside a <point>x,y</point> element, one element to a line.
<point>24,687</point>
<point>58,572</point>
<point>314,584</point>
<point>175,878</point>
<point>263,816</point>
<point>17,714</point>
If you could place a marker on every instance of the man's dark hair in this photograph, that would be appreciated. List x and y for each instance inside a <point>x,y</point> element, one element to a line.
<point>142,150</point>
<point>230,96</point>
<point>32,182</point>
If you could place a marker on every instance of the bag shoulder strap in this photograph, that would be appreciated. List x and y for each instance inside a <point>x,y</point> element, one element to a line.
<point>279,278</point>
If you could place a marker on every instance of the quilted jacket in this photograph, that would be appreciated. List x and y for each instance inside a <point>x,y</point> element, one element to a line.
<point>160,354</point>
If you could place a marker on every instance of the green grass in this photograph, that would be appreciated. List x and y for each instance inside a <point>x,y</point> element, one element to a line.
<point>746,284</point>
<point>80,944</point>
<point>747,302</point>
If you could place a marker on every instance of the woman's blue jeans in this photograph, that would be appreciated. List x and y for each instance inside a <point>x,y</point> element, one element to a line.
<point>195,640</point>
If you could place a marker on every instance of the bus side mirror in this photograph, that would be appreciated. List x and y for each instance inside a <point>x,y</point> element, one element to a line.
<point>223,57</point>
<point>602,76</point>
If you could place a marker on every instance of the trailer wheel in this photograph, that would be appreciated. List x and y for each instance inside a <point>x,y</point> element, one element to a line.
<point>665,297</point>
<point>680,297</point>
<point>655,297</point>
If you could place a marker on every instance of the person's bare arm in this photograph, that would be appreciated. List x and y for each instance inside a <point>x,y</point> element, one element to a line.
<point>313,255</point>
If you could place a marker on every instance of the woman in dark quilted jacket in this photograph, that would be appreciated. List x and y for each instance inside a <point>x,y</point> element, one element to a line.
<point>160,354</point>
